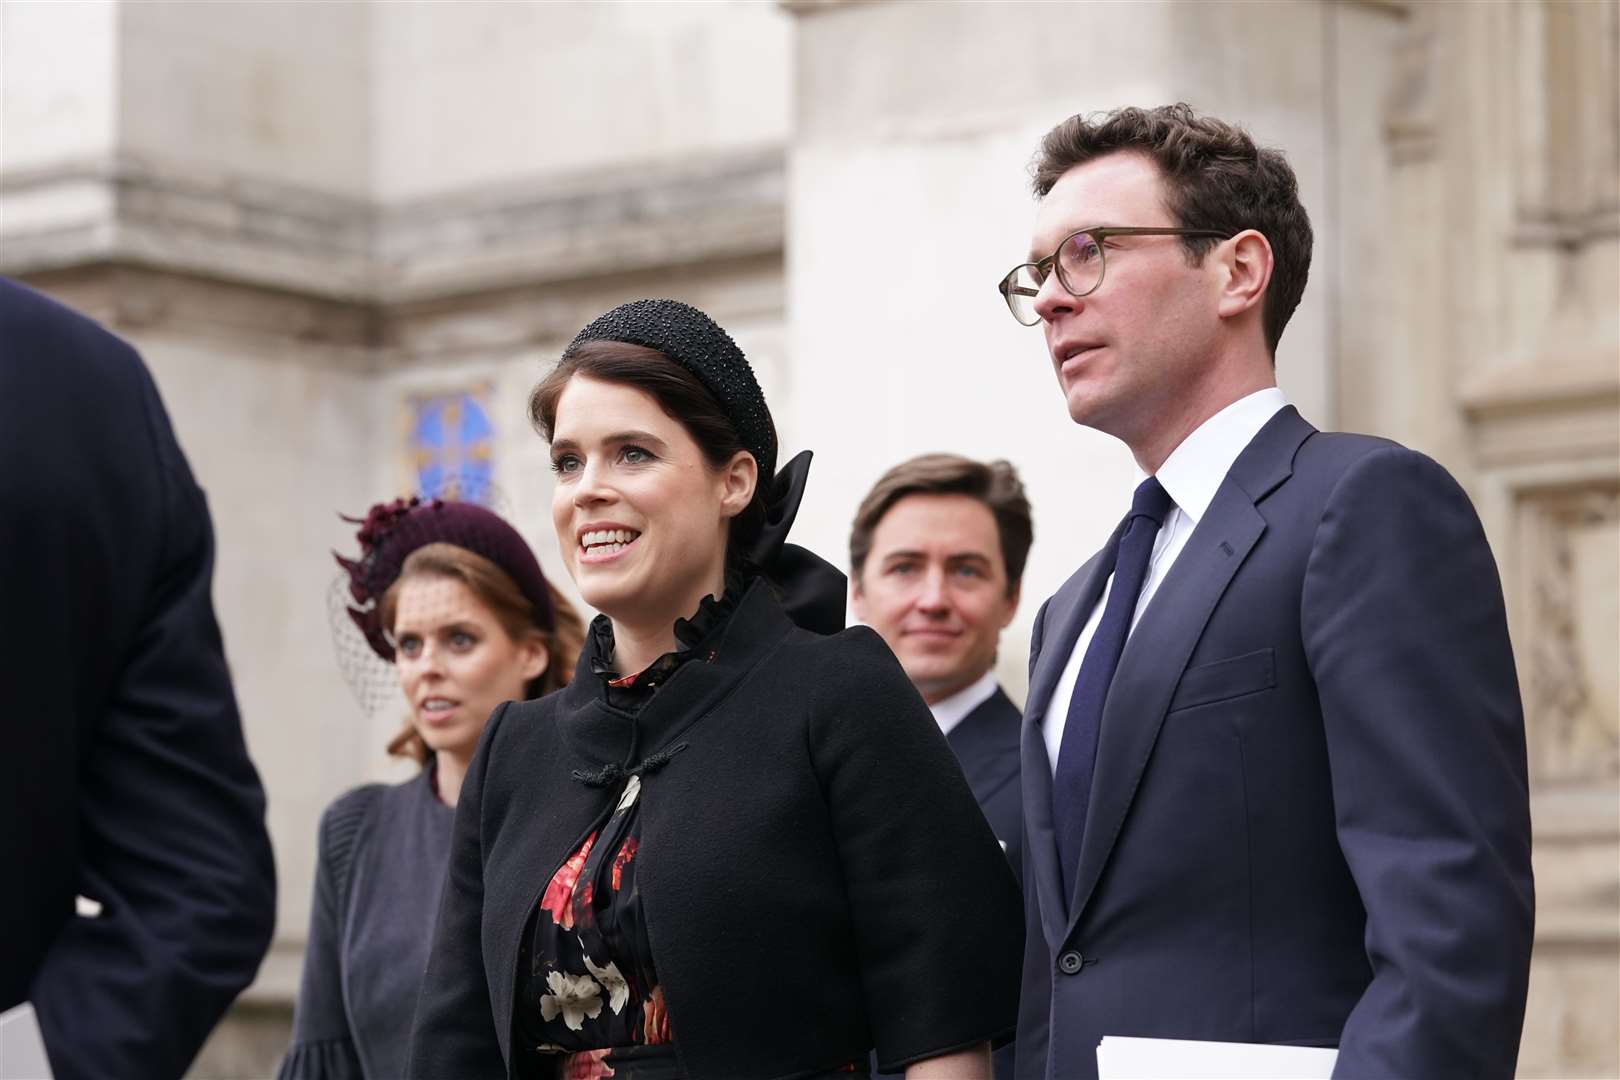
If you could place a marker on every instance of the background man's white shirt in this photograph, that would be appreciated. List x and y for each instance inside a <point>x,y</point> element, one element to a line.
<point>953,710</point>
<point>1191,475</point>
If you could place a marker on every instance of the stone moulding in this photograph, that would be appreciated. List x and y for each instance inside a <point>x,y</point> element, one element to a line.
<point>626,221</point>
<point>134,211</point>
<point>165,216</point>
<point>1554,409</point>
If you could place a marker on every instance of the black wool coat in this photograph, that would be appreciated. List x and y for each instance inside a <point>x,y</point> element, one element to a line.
<point>816,876</point>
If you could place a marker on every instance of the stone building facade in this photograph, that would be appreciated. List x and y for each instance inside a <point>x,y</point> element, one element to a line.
<point>320,221</point>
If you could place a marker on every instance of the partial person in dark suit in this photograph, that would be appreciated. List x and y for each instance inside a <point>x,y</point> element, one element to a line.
<point>1274,763</point>
<point>937,554</point>
<point>125,776</point>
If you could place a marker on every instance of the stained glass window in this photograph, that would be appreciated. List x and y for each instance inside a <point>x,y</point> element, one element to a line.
<point>450,445</point>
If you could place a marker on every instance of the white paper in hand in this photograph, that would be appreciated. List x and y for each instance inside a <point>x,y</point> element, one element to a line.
<point>22,1051</point>
<point>1120,1058</point>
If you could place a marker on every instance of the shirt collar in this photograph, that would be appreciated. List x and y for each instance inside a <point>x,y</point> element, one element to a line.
<point>1194,470</point>
<point>954,709</point>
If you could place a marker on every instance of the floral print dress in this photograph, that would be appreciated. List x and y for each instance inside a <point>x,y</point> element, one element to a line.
<point>589,989</point>
<point>587,986</point>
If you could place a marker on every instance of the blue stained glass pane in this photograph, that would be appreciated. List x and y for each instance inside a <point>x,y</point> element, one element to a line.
<point>475,426</point>
<point>451,448</point>
<point>429,431</point>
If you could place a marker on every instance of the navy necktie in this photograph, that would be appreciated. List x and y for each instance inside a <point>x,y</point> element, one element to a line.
<point>1077,757</point>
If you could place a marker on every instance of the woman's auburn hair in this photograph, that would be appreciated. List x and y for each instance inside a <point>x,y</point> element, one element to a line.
<point>682,398</point>
<point>514,612</point>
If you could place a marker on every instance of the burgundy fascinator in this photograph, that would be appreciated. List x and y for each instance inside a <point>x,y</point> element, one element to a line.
<point>391,531</point>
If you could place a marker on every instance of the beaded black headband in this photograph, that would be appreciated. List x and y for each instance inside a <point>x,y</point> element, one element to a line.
<point>697,343</point>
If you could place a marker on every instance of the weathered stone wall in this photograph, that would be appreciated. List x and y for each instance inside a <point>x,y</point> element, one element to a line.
<point>1503,266</point>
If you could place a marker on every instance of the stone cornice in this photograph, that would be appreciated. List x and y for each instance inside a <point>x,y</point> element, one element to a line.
<point>1400,8</point>
<point>625,221</point>
<point>817,7</point>
<point>137,212</point>
<point>1556,408</point>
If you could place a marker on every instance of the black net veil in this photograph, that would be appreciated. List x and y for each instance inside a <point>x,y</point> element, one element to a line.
<point>388,534</point>
<point>372,680</point>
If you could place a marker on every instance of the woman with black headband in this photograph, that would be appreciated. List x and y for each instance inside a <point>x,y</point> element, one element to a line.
<point>447,603</point>
<point>736,846</point>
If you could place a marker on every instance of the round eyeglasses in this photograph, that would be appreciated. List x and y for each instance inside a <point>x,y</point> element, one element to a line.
<point>1079,262</point>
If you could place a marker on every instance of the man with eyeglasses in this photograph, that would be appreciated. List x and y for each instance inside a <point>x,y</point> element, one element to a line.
<point>1273,750</point>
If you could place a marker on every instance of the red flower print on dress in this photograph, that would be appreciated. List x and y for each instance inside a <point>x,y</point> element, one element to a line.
<point>590,1065</point>
<point>560,893</point>
<point>581,913</point>
<point>626,853</point>
<point>655,1020</point>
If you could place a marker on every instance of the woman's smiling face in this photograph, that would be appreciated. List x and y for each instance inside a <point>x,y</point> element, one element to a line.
<point>641,516</point>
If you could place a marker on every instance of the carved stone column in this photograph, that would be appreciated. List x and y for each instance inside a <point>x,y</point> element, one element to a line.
<point>1503,133</point>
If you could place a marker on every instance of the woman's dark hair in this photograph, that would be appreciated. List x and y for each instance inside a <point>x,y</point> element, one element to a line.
<point>683,399</point>
<point>515,613</point>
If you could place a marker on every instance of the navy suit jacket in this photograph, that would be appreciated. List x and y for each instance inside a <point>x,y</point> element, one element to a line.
<point>986,746</point>
<point>125,777</point>
<point>1309,818</point>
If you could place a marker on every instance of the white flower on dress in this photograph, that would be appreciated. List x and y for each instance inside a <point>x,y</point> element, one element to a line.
<point>613,982</point>
<point>575,998</point>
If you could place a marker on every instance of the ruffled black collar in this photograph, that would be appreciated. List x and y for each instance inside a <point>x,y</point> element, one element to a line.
<point>630,692</point>
<point>609,742</point>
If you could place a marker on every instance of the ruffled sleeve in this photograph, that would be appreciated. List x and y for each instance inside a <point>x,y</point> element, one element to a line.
<point>328,1059</point>
<point>322,1045</point>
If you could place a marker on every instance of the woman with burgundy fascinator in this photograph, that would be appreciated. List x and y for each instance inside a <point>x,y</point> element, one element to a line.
<point>447,604</point>
<point>736,845</point>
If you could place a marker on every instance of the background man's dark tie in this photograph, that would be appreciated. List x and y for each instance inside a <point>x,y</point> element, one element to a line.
<point>1071,786</point>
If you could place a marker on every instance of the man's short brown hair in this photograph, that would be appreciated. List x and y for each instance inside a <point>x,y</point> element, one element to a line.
<point>995,484</point>
<point>1215,178</point>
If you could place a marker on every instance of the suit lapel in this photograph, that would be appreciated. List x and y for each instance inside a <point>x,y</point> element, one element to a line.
<point>1066,615</point>
<point>1158,649</point>
<point>986,744</point>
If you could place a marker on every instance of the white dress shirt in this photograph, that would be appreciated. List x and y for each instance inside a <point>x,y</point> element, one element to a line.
<point>953,710</point>
<point>1190,476</point>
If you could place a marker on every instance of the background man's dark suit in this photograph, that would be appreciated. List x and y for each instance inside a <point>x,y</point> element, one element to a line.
<point>1308,820</point>
<point>986,746</point>
<point>125,777</point>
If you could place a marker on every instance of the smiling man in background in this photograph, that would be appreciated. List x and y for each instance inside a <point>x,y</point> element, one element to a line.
<point>936,554</point>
